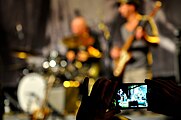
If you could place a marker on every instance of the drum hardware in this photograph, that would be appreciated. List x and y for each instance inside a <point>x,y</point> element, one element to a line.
<point>31,92</point>
<point>69,70</point>
<point>9,99</point>
<point>54,54</point>
<point>7,108</point>
<point>83,55</point>
<point>44,111</point>
<point>77,69</point>
<point>37,96</point>
<point>54,64</point>
<point>83,65</point>
<point>28,60</point>
<point>83,49</point>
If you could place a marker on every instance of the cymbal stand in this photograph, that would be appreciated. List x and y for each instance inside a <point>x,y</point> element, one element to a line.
<point>44,111</point>
<point>178,57</point>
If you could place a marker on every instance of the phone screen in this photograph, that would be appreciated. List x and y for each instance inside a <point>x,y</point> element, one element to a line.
<point>130,96</point>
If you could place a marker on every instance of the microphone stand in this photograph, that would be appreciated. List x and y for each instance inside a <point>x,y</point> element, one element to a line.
<point>178,57</point>
<point>106,36</point>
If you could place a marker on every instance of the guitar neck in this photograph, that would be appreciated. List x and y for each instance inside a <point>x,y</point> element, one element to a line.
<point>128,43</point>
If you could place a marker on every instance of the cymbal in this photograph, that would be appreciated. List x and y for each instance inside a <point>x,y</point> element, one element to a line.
<point>24,53</point>
<point>77,41</point>
<point>71,41</point>
<point>21,55</point>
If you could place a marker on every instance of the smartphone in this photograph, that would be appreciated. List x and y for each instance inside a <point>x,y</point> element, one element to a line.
<point>130,96</point>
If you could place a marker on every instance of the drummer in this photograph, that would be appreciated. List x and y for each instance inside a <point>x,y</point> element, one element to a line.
<point>80,46</point>
<point>86,47</point>
<point>85,37</point>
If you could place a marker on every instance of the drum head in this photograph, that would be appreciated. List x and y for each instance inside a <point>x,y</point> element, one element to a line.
<point>31,92</point>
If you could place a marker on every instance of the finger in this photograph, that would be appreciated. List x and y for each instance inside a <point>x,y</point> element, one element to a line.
<point>110,92</point>
<point>103,87</point>
<point>168,87</point>
<point>100,90</point>
<point>96,96</point>
<point>95,87</point>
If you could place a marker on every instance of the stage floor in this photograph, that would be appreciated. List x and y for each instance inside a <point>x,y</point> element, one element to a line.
<point>135,116</point>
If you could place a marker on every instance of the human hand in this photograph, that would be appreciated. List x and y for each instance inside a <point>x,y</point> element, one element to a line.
<point>95,106</point>
<point>139,33</point>
<point>164,97</point>
<point>115,53</point>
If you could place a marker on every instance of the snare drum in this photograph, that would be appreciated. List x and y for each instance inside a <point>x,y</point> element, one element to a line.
<point>31,92</point>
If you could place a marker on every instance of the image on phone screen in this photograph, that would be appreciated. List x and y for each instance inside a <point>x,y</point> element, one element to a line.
<point>131,95</point>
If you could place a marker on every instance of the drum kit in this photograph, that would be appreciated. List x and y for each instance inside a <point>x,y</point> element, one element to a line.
<point>35,88</point>
<point>85,54</point>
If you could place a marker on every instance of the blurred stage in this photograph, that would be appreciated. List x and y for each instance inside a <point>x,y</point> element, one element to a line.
<point>33,54</point>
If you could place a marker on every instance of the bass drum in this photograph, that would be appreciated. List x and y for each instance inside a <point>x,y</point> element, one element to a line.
<point>31,92</point>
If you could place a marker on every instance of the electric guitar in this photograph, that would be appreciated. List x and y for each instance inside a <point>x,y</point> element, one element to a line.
<point>125,56</point>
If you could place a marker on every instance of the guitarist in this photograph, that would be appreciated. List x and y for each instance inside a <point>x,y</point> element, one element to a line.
<point>137,69</point>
